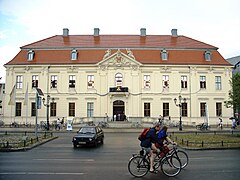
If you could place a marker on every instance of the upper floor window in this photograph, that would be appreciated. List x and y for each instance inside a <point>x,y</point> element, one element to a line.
<point>90,80</point>
<point>164,54</point>
<point>218,83</point>
<point>19,82</point>
<point>18,109</point>
<point>30,55</point>
<point>165,81</point>
<point>165,109</point>
<point>72,81</point>
<point>184,109</point>
<point>118,80</point>
<point>53,81</point>
<point>74,54</point>
<point>71,109</point>
<point>208,55</point>
<point>34,81</point>
<point>218,109</point>
<point>184,82</point>
<point>202,82</point>
<point>53,109</point>
<point>146,79</point>
<point>147,109</point>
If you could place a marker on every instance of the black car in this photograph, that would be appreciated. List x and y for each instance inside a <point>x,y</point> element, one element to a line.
<point>88,135</point>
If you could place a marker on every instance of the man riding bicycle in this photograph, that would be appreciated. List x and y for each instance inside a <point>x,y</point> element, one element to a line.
<point>148,144</point>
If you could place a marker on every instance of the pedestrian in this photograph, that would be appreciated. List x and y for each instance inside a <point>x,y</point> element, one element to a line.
<point>220,123</point>
<point>160,120</point>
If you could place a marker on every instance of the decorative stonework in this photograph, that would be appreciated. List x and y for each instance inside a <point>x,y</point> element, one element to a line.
<point>107,54</point>
<point>130,53</point>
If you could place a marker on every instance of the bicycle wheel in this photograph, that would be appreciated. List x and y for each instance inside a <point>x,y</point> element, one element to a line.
<point>182,155</point>
<point>170,166</point>
<point>138,166</point>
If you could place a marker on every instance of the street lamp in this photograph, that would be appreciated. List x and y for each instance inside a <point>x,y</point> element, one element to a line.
<point>47,105</point>
<point>179,104</point>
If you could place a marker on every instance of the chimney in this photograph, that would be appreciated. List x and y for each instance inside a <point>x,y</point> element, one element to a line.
<point>96,31</point>
<point>174,33</point>
<point>143,32</point>
<point>65,32</point>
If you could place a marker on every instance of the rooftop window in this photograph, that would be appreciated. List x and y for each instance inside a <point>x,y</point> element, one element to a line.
<point>208,55</point>
<point>164,54</point>
<point>74,54</point>
<point>30,55</point>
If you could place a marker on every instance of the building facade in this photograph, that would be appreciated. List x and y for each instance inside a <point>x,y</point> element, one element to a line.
<point>133,77</point>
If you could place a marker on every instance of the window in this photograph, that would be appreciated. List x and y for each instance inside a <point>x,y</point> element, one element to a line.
<point>54,81</point>
<point>202,82</point>
<point>165,109</point>
<point>165,81</point>
<point>33,109</point>
<point>118,80</point>
<point>218,83</point>
<point>90,81</point>
<point>74,54</point>
<point>90,109</point>
<point>184,109</point>
<point>146,79</point>
<point>71,109</point>
<point>164,54</point>
<point>18,111</point>
<point>19,82</point>
<point>72,80</point>
<point>218,109</point>
<point>184,82</point>
<point>208,55</point>
<point>34,81</point>
<point>202,109</point>
<point>30,55</point>
<point>53,109</point>
<point>146,109</point>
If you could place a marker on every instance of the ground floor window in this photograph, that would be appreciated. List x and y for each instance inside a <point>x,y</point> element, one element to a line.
<point>184,109</point>
<point>18,110</point>
<point>71,109</point>
<point>53,109</point>
<point>218,109</point>
<point>146,109</point>
<point>202,109</point>
<point>33,109</point>
<point>165,109</point>
<point>90,109</point>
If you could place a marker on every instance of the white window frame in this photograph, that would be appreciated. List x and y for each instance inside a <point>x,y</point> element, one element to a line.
<point>218,82</point>
<point>164,55</point>
<point>184,82</point>
<point>118,79</point>
<point>19,82</point>
<point>54,81</point>
<point>165,81</point>
<point>90,109</point>
<point>72,81</point>
<point>30,55</point>
<point>74,54</point>
<point>90,79</point>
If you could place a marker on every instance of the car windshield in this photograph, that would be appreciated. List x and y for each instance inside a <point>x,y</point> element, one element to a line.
<point>86,130</point>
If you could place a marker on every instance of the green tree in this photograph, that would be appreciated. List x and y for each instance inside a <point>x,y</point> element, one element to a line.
<point>234,94</point>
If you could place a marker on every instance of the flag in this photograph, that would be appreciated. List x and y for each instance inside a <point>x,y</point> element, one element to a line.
<point>26,97</point>
<point>12,96</point>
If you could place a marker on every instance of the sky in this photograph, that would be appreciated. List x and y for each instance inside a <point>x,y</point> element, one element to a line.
<point>215,22</point>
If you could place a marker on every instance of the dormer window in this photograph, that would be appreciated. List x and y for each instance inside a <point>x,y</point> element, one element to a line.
<point>208,55</point>
<point>74,54</point>
<point>30,55</point>
<point>164,54</point>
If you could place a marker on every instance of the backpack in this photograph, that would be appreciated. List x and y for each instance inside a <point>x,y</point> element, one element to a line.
<point>143,134</point>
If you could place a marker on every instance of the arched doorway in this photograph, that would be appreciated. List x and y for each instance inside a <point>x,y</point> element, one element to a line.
<point>118,110</point>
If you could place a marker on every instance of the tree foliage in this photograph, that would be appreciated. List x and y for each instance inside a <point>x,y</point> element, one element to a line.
<point>234,93</point>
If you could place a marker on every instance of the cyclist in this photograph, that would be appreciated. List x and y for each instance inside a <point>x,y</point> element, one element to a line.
<point>148,144</point>
<point>163,136</point>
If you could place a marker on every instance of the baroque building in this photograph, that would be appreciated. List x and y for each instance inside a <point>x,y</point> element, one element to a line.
<point>132,76</point>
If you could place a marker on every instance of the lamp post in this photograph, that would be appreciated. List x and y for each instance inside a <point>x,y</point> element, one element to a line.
<point>47,105</point>
<point>179,104</point>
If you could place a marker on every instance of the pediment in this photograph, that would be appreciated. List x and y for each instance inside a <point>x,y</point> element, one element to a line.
<point>119,58</point>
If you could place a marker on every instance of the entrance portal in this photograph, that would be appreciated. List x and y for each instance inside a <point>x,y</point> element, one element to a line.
<point>118,111</point>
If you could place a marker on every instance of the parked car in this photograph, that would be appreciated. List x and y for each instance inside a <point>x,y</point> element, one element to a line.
<point>88,135</point>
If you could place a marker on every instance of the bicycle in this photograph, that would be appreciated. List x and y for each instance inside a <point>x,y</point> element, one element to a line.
<point>103,124</point>
<point>202,126</point>
<point>182,155</point>
<point>139,164</point>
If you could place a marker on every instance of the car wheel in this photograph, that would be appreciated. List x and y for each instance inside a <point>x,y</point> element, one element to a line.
<point>74,145</point>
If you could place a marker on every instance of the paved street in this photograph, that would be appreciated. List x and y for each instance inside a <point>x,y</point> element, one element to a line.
<point>58,160</point>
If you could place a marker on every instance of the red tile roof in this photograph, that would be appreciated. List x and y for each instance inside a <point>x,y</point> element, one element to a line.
<point>57,50</point>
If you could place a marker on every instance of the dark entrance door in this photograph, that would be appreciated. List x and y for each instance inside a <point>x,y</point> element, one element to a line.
<point>118,110</point>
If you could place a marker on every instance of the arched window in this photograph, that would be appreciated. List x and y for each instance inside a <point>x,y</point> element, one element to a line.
<point>164,54</point>
<point>30,55</point>
<point>118,79</point>
<point>208,55</point>
<point>74,54</point>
